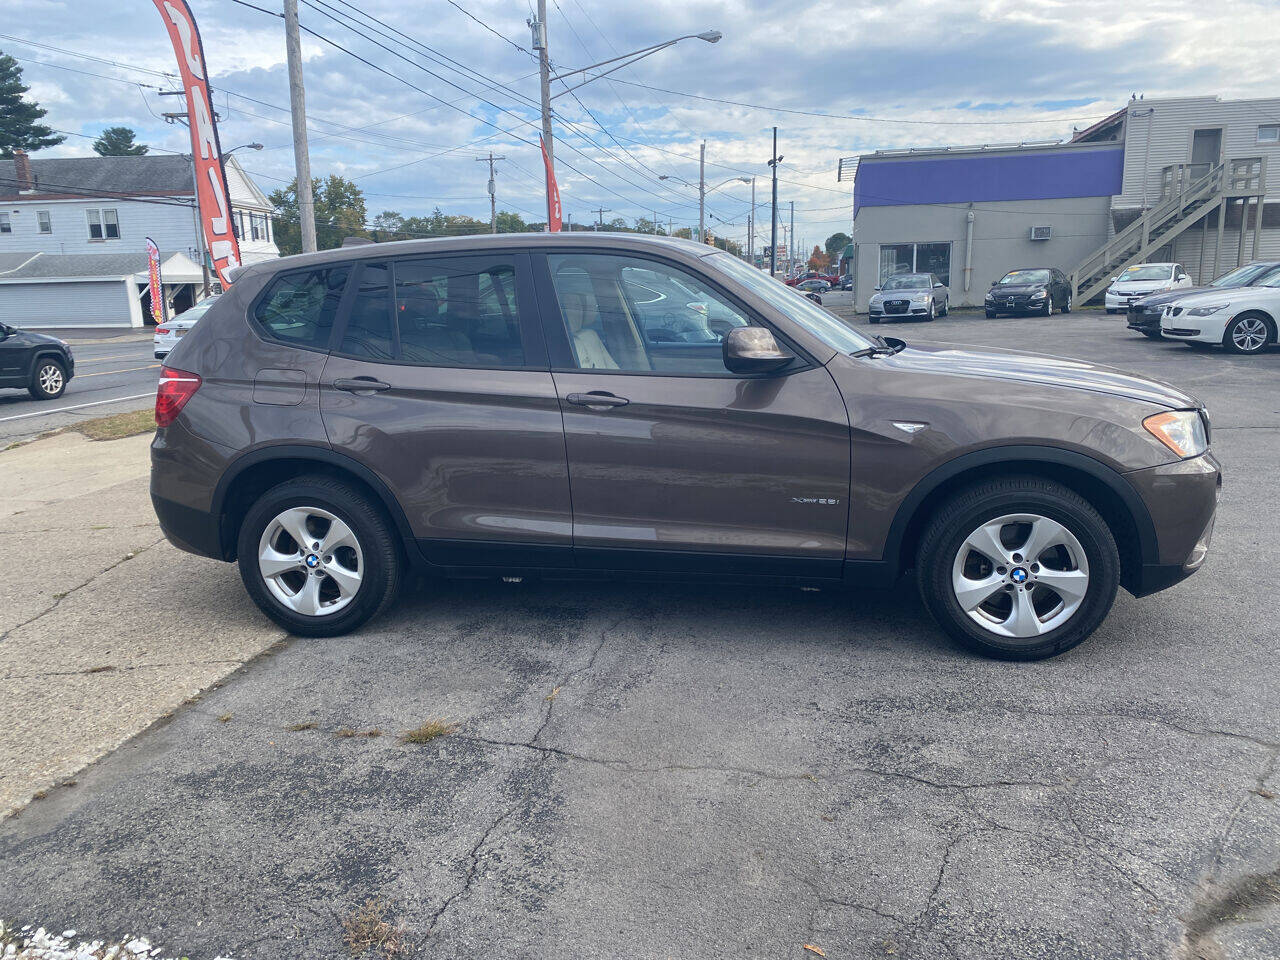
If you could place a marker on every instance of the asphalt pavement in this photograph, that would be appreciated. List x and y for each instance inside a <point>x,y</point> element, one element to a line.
<point>113,375</point>
<point>683,770</point>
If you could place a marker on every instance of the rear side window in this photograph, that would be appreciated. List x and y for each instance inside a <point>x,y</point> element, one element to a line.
<point>299,308</point>
<point>448,312</point>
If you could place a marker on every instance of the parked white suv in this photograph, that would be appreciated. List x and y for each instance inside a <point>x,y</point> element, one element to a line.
<point>1142,280</point>
<point>1242,319</point>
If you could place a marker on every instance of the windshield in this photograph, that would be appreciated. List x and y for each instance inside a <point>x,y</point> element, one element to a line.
<point>798,308</point>
<point>1244,276</point>
<point>1147,271</point>
<point>1026,276</point>
<point>908,281</point>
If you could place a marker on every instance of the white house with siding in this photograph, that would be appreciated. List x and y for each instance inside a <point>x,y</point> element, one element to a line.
<point>73,232</point>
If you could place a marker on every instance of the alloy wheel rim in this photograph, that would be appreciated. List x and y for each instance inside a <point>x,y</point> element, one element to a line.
<point>1020,576</point>
<point>1249,334</point>
<point>50,379</point>
<point>311,561</point>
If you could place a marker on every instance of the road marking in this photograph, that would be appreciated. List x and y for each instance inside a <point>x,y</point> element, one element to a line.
<point>78,406</point>
<point>123,356</point>
<point>107,373</point>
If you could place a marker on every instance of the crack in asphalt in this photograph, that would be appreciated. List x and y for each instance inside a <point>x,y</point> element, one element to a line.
<point>1268,767</point>
<point>1145,718</point>
<point>570,675</point>
<point>80,586</point>
<point>108,670</point>
<point>473,866</point>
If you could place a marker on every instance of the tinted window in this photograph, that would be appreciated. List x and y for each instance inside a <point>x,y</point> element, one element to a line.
<point>631,314</point>
<point>369,333</point>
<point>299,308</point>
<point>458,312</point>
<point>1026,276</point>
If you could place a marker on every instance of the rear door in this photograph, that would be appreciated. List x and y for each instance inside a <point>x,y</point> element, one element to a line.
<point>440,384</point>
<point>675,463</point>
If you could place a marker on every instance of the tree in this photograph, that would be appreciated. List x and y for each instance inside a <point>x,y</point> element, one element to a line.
<point>818,260</point>
<point>835,246</point>
<point>19,129</point>
<point>118,142</point>
<point>339,212</point>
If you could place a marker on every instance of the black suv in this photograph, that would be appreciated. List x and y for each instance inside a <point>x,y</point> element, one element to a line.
<point>43,365</point>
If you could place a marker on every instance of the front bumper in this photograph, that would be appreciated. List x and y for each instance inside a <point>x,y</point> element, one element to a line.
<point>1144,320</point>
<point>1207,329</point>
<point>1182,500</point>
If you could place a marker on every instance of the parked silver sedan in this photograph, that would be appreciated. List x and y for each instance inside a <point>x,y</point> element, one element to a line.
<point>920,295</point>
<point>171,331</point>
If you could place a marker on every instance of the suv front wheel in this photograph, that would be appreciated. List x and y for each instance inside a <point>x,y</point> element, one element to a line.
<point>318,557</point>
<point>1019,568</point>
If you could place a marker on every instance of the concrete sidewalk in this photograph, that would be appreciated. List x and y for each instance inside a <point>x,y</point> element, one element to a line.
<point>93,645</point>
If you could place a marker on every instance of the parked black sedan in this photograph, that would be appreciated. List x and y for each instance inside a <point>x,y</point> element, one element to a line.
<point>1144,314</point>
<point>31,361</point>
<point>1029,290</point>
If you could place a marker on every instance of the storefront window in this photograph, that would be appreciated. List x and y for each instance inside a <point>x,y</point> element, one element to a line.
<point>896,258</point>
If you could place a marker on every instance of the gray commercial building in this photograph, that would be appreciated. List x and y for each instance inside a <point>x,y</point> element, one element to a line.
<point>1179,180</point>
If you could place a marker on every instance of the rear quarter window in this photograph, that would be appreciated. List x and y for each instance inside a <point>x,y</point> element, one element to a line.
<point>299,308</point>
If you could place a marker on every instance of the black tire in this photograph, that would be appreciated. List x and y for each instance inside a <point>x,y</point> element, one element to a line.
<point>1048,307</point>
<point>953,522</point>
<point>382,561</point>
<point>1066,307</point>
<point>1255,321</point>
<point>48,379</point>
<point>946,308</point>
<point>1152,334</point>
<point>991,314</point>
<point>929,317</point>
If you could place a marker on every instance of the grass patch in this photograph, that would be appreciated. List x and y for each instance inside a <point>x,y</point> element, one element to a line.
<point>299,727</point>
<point>346,733</point>
<point>118,425</point>
<point>428,731</point>
<point>369,929</point>
<point>225,718</point>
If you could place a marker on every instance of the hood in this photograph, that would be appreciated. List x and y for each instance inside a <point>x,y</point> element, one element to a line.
<point>905,294</point>
<point>997,364</point>
<point>30,336</point>
<point>1017,289</point>
<point>1228,295</point>
<point>1160,299</point>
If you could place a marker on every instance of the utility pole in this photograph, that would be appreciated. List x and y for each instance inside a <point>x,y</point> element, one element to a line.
<point>773,233</point>
<point>202,252</point>
<point>791,250</point>
<point>655,223</point>
<point>671,227</point>
<point>569,222</point>
<point>751,226</point>
<point>539,28</point>
<point>493,199</point>
<point>298,110</point>
<point>600,212</point>
<point>702,192</point>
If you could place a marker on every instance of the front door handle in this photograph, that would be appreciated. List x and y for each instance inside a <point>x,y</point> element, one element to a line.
<point>596,398</point>
<point>360,385</point>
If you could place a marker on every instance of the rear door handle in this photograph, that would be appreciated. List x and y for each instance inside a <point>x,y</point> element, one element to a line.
<point>597,398</point>
<point>360,385</point>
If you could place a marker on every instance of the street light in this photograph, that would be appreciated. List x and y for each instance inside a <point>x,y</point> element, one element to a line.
<point>702,187</point>
<point>244,146</point>
<point>710,36</point>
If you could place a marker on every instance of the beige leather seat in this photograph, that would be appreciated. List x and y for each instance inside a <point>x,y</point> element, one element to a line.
<point>581,315</point>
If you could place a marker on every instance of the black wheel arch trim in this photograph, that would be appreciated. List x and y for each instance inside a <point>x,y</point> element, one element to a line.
<point>52,353</point>
<point>302,451</point>
<point>1021,453</point>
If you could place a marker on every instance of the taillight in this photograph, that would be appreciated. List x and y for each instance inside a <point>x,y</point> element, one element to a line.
<point>163,331</point>
<point>176,388</point>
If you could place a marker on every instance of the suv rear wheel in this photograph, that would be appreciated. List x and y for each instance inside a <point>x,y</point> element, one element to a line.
<point>1019,568</point>
<point>318,557</point>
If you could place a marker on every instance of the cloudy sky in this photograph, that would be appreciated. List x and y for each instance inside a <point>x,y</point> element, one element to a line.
<point>837,79</point>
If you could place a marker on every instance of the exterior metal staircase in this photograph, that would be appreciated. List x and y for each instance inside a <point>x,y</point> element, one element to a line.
<point>1190,194</point>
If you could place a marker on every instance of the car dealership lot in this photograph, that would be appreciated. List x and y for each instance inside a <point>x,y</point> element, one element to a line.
<point>651,770</point>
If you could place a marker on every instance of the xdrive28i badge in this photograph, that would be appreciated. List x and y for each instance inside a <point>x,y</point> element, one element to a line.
<point>828,501</point>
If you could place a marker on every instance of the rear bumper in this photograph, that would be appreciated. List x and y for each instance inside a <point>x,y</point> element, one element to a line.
<point>194,531</point>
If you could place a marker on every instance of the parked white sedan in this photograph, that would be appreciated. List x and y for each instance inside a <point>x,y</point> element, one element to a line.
<point>1142,280</point>
<point>1242,319</point>
<point>171,331</point>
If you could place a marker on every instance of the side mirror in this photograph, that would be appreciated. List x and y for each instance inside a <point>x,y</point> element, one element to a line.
<point>937,285</point>
<point>753,350</point>
<point>1113,280</point>
<point>877,289</point>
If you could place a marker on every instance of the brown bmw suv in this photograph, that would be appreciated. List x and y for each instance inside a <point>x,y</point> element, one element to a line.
<point>610,405</point>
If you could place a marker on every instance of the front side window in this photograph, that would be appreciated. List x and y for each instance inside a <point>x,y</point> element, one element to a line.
<point>636,315</point>
<point>798,308</point>
<point>44,222</point>
<point>299,308</point>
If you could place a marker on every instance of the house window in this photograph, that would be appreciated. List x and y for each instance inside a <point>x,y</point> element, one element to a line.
<point>1269,133</point>
<point>932,258</point>
<point>103,224</point>
<point>5,225</point>
<point>44,222</point>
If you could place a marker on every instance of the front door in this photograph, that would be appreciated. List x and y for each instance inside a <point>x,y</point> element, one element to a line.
<point>674,462</point>
<point>440,384</point>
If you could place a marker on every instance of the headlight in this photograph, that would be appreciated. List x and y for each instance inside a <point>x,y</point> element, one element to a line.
<point>919,297</point>
<point>1039,294</point>
<point>1182,431</point>
<point>991,295</point>
<point>1207,309</point>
